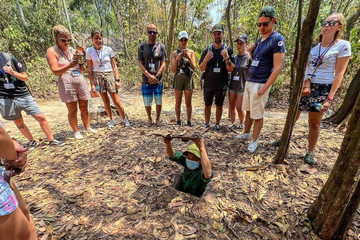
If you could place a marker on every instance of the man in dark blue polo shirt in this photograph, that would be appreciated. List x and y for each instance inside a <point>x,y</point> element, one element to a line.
<point>216,60</point>
<point>268,56</point>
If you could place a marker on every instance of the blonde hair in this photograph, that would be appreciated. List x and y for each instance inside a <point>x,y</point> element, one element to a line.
<point>58,30</point>
<point>339,17</point>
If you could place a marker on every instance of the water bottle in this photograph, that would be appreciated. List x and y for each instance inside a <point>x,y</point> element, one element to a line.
<point>318,106</point>
<point>97,88</point>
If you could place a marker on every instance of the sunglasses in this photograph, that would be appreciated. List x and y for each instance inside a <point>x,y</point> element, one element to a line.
<point>152,32</point>
<point>331,23</point>
<point>265,24</point>
<point>183,40</point>
<point>64,40</point>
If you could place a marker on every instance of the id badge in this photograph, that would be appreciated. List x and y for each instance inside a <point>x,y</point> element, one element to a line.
<point>255,63</point>
<point>75,73</point>
<point>182,71</point>
<point>236,78</point>
<point>101,66</point>
<point>217,70</point>
<point>151,65</point>
<point>9,85</point>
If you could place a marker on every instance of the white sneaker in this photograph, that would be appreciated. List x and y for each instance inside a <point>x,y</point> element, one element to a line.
<point>111,124</point>
<point>253,146</point>
<point>127,123</point>
<point>244,136</point>
<point>90,130</point>
<point>241,126</point>
<point>78,135</point>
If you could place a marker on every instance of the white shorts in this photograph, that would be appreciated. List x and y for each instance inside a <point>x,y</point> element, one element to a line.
<point>253,102</point>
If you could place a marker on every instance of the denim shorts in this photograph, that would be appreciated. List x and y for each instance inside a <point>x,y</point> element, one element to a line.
<point>150,91</point>
<point>10,109</point>
<point>8,201</point>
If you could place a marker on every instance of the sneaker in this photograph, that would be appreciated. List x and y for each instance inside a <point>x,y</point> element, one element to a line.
<point>178,123</point>
<point>55,142</point>
<point>91,130</point>
<point>253,146</point>
<point>127,123</point>
<point>206,125</point>
<point>78,135</point>
<point>241,126</point>
<point>232,126</point>
<point>111,124</point>
<point>189,124</point>
<point>217,127</point>
<point>32,145</point>
<point>244,136</point>
<point>309,158</point>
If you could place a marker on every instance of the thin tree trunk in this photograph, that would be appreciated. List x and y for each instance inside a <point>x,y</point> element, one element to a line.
<point>229,23</point>
<point>22,17</point>
<point>171,34</point>
<point>333,211</point>
<point>296,51</point>
<point>306,35</point>
<point>352,93</point>
<point>350,23</point>
<point>68,20</point>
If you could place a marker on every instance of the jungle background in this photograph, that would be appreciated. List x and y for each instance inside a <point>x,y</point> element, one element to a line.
<point>118,183</point>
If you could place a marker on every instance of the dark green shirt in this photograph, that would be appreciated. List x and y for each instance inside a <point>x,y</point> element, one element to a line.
<point>192,181</point>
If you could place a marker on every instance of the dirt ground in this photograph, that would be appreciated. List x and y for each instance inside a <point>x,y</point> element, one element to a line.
<point>118,183</point>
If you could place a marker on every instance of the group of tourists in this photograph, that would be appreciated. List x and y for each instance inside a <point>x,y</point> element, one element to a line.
<point>247,76</point>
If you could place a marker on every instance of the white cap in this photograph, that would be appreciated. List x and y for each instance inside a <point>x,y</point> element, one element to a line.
<point>183,34</point>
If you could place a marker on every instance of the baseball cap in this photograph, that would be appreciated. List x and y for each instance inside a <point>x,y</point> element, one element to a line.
<point>194,150</point>
<point>242,37</point>
<point>268,11</point>
<point>183,34</point>
<point>217,28</point>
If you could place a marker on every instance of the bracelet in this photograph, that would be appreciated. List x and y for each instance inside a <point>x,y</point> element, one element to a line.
<point>329,99</point>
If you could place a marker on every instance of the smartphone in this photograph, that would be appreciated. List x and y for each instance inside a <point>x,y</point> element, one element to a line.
<point>79,51</point>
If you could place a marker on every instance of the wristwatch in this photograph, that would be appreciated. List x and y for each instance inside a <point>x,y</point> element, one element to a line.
<point>117,80</point>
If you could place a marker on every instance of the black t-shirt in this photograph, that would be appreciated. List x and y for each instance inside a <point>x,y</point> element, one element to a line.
<point>20,89</point>
<point>240,73</point>
<point>151,54</point>
<point>216,80</point>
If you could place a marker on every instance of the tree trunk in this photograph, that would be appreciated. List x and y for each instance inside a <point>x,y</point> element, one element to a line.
<point>333,211</point>
<point>68,20</point>
<point>22,17</point>
<point>350,23</point>
<point>306,35</point>
<point>229,23</point>
<point>171,34</point>
<point>296,52</point>
<point>348,102</point>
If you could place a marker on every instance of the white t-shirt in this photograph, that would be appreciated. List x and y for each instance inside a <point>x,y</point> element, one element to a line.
<point>325,73</point>
<point>101,59</point>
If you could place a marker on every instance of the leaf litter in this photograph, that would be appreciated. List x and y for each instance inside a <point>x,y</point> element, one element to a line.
<point>119,183</point>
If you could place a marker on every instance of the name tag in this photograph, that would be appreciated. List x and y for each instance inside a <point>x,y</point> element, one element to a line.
<point>236,78</point>
<point>255,63</point>
<point>75,73</point>
<point>182,71</point>
<point>101,66</point>
<point>151,65</point>
<point>217,70</point>
<point>9,85</point>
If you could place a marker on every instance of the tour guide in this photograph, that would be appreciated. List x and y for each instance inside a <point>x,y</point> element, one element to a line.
<point>197,167</point>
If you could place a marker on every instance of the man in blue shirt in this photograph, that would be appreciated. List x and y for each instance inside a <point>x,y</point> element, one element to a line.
<point>268,56</point>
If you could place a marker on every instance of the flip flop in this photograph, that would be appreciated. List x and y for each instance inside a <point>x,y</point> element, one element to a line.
<point>149,124</point>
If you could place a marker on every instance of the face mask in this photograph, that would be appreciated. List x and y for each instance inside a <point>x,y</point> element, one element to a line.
<point>192,164</point>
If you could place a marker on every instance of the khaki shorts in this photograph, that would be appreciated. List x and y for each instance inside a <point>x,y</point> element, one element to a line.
<point>183,82</point>
<point>105,81</point>
<point>253,102</point>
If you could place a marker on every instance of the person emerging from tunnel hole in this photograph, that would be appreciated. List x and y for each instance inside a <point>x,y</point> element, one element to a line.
<point>197,167</point>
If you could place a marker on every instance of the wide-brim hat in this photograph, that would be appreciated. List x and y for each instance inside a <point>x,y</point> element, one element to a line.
<point>194,150</point>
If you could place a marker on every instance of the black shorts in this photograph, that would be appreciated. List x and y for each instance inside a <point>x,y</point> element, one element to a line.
<point>219,96</point>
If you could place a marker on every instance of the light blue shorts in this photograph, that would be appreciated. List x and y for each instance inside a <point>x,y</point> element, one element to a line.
<point>150,91</point>
<point>10,109</point>
<point>8,201</point>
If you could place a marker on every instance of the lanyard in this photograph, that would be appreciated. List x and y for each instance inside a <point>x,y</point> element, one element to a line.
<point>217,53</point>
<point>2,70</point>
<point>64,55</point>
<point>152,51</point>
<point>100,58</point>
<point>237,61</point>
<point>321,56</point>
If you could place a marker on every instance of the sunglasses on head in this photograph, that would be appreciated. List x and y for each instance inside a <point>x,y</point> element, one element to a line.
<point>183,40</point>
<point>64,40</point>
<point>331,23</point>
<point>265,24</point>
<point>152,32</point>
